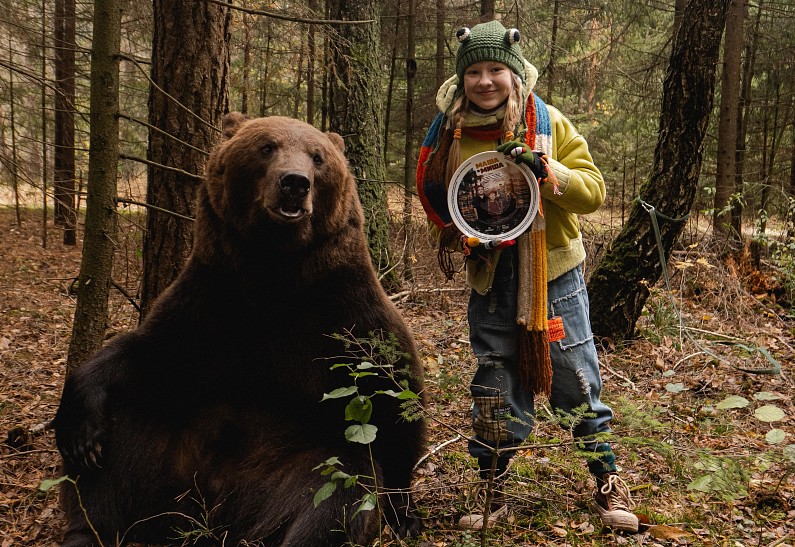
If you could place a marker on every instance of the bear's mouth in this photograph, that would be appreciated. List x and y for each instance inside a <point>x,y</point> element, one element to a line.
<point>290,211</point>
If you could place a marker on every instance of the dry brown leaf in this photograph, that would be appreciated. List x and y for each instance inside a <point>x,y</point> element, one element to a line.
<point>663,531</point>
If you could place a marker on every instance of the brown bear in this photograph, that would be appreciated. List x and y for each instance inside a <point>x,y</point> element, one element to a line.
<point>207,425</point>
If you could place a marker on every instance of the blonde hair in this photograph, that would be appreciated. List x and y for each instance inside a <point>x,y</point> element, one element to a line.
<point>455,119</point>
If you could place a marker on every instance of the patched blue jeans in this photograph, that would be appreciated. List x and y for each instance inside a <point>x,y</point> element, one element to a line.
<point>503,412</point>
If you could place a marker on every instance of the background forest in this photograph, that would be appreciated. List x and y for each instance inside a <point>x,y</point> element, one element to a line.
<point>700,379</point>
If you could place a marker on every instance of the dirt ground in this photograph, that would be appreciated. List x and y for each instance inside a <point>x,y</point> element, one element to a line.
<point>709,458</point>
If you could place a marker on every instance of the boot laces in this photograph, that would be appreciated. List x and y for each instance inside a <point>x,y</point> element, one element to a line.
<point>616,492</point>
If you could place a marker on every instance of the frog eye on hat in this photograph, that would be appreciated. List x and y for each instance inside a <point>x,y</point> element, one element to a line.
<point>462,34</point>
<point>512,36</point>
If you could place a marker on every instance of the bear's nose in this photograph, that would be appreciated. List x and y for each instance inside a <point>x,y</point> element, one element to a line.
<point>294,185</point>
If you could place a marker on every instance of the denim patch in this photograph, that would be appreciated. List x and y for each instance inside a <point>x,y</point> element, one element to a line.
<point>573,310</point>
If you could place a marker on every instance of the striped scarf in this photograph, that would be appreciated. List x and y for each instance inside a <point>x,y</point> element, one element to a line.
<point>535,365</point>
<point>535,368</point>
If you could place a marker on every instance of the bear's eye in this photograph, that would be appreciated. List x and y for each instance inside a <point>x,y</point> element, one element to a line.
<point>317,159</point>
<point>267,149</point>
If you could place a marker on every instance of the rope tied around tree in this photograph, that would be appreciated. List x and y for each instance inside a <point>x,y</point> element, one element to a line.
<point>654,214</point>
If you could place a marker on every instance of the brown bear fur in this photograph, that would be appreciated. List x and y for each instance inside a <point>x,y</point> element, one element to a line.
<point>211,409</point>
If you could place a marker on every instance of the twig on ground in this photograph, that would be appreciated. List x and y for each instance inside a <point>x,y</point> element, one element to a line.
<point>436,449</point>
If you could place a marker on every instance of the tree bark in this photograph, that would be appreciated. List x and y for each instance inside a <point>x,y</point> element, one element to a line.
<point>679,9</point>
<point>486,10</point>
<point>390,88</point>
<point>64,156</point>
<point>776,133</point>
<point>619,286</point>
<point>356,114</point>
<point>727,122</point>
<point>246,62</point>
<point>742,120</point>
<point>550,87</point>
<point>14,159</point>
<point>310,68</point>
<point>265,61</point>
<point>790,187</point>
<point>190,69</point>
<point>409,159</point>
<point>91,313</point>
<point>44,124</point>
<point>440,73</point>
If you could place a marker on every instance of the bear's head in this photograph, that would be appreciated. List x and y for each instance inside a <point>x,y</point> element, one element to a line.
<point>281,180</point>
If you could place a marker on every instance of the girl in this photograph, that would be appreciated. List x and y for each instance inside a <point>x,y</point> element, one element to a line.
<point>528,311</point>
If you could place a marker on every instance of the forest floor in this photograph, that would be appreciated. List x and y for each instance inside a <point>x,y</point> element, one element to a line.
<point>708,450</point>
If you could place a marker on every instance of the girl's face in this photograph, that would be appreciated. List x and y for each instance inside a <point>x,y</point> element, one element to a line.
<point>488,84</point>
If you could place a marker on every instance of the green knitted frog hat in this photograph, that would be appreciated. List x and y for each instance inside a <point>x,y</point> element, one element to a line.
<point>489,42</point>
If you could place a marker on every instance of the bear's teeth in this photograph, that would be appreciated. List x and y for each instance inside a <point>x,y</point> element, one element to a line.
<point>291,213</point>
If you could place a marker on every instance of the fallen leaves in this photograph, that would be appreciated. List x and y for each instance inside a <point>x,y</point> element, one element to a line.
<point>684,404</point>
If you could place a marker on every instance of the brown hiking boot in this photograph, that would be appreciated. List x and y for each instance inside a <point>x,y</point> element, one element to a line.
<point>614,504</point>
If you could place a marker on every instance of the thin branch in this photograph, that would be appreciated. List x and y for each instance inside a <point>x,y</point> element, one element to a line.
<point>164,92</point>
<point>153,207</point>
<point>161,166</point>
<point>126,295</point>
<point>276,15</point>
<point>164,133</point>
<point>436,449</point>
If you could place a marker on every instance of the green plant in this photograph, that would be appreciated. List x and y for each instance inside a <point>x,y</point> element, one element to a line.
<point>375,356</point>
<point>47,485</point>
<point>199,529</point>
<point>661,318</point>
<point>723,476</point>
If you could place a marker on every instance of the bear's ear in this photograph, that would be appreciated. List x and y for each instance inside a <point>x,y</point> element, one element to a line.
<point>337,140</point>
<point>232,122</point>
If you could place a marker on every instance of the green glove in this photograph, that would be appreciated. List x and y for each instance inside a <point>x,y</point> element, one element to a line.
<point>522,154</point>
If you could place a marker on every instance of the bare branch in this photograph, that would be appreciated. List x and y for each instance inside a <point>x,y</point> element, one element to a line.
<point>153,207</point>
<point>161,166</point>
<point>282,17</point>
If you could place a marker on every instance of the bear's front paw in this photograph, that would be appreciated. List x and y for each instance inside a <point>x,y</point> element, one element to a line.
<point>80,432</point>
<point>402,516</point>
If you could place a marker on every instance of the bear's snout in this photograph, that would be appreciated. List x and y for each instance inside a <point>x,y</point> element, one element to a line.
<point>294,185</point>
<point>293,200</point>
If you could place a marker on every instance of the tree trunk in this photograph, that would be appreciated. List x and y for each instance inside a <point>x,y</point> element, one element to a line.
<point>190,64</point>
<point>594,65</point>
<point>486,10</point>
<point>355,113</point>
<point>619,286</point>
<point>264,78</point>
<point>776,134</point>
<point>742,121</point>
<point>679,9</point>
<point>727,124</point>
<point>553,39</point>
<point>44,123</point>
<point>790,189</point>
<point>246,62</point>
<point>297,83</point>
<point>409,159</point>
<point>14,159</point>
<point>64,160</point>
<point>390,88</point>
<point>310,69</point>
<point>327,70</point>
<point>440,73</point>
<point>91,313</point>
<point>763,169</point>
